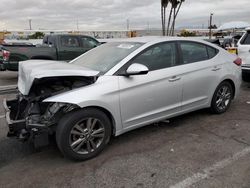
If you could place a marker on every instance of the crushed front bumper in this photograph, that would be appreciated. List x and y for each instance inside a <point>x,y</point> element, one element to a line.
<point>15,126</point>
<point>22,128</point>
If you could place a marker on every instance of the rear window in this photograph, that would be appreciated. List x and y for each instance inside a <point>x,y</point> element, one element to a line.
<point>211,52</point>
<point>193,52</point>
<point>69,41</point>
<point>246,39</point>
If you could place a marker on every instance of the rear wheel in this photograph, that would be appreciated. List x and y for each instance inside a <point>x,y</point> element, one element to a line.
<point>222,98</point>
<point>83,134</point>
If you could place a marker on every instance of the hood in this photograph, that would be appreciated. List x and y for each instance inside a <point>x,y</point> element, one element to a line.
<point>35,69</point>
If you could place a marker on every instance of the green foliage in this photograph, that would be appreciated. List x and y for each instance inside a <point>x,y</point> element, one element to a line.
<point>164,3</point>
<point>37,35</point>
<point>185,33</point>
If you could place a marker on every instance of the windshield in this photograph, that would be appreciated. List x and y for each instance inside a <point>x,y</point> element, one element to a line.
<point>106,56</point>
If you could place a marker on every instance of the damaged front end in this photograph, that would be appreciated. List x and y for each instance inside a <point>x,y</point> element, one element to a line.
<point>29,118</point>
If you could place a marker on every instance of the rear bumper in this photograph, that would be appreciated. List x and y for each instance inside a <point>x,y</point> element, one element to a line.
<point>12,65</point>
<point>22,128</point>
<point>2,67</point>
<point>247,71</point>
<point>245,67</point>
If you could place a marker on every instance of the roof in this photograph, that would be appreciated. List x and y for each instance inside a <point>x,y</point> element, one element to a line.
<point>151,39</point>
<point>144,39</point>
<point>67,34</point>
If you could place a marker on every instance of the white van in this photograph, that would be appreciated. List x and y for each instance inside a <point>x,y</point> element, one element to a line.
<point>244,54</point>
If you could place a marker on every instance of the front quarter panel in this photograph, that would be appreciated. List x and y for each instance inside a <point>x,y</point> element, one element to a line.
<point>103,93</point>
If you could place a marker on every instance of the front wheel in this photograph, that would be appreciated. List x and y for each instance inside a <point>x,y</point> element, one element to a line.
<point>83,134</point>
<point>222,98</point>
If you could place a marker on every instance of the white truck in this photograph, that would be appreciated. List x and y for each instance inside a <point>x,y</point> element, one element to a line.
<point>244,54</point>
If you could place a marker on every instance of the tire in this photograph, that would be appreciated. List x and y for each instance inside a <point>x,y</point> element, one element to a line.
<point>83,134</point>
<point>245,77</point>
<point>221,101</point>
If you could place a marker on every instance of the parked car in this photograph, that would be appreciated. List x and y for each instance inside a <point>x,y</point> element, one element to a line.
<point>244,53</point>
<point>54,47</point>
<point>118,87</point>
<point>1,58</point>
<point>214,41</point>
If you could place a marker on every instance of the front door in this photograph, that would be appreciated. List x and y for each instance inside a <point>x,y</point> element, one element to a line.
<point>156,95</point>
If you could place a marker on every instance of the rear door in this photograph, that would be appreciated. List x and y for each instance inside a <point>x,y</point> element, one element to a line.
<point>201,73</point>
<point>146,98</point>
<point>244,49</point>
<point>69,48</point>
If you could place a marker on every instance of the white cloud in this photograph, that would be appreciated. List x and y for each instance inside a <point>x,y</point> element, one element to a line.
<point>112,14</point>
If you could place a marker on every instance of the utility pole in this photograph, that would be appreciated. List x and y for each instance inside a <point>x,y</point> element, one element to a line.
<point>77,25</point>
<point>127,24</point>
<point>148,28</point>
<point>30,24</point>
<point>210,25</point>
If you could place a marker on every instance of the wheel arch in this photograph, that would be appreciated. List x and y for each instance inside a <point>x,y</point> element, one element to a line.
<point>231,82</point>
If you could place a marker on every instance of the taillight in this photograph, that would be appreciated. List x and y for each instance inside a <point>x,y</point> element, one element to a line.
<point>6,55</point>
<point>238,61</point>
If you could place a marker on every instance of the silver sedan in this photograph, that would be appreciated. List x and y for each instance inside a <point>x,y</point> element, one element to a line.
<point>120,86</point>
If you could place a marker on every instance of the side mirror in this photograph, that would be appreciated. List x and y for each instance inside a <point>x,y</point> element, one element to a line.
<point>136,69</point>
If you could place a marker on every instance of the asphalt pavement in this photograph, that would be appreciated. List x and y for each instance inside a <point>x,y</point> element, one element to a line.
<point>194,150</point>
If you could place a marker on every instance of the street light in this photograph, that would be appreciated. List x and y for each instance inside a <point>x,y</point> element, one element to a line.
<point>210,27</point>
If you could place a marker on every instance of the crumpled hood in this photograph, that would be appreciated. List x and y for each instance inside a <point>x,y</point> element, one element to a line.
<point>35,69</point>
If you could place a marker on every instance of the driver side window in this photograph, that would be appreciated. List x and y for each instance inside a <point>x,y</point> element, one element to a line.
<point>157,57</point>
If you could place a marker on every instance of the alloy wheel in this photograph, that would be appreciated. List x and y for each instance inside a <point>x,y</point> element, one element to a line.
<point>223,97</point>
<point>86,136</point>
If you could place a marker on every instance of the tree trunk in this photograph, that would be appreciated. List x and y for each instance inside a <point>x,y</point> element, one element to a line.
<point>162,22</point>
<point>169,20</point>
<point>173,24</point>
<point>175,16</point>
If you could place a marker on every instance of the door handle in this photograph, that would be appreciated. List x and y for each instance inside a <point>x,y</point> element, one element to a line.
<point>216,68</point>
<point>174,78</point>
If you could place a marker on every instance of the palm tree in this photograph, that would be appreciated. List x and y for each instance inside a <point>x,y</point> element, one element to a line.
<point>174,10</point>
<point>164,4</point>
<point>176,4</point>
<point>170,17</point>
